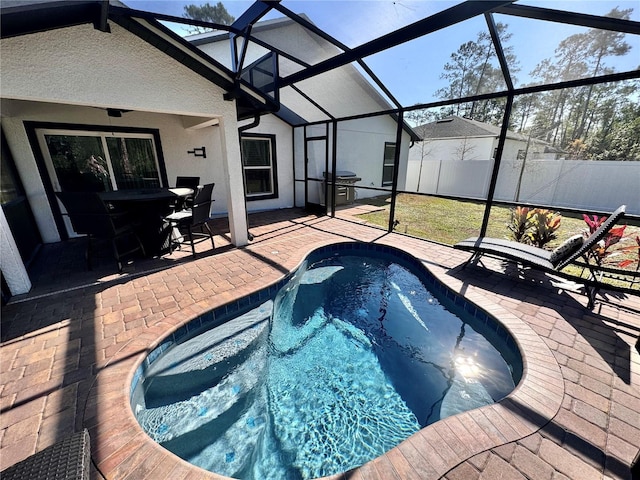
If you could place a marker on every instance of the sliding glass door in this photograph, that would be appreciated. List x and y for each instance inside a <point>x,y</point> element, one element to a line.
<point>133,161</point>
<point>99,161</point>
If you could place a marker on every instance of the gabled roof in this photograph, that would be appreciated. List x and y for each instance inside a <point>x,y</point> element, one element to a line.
<point>262,26</point>
<point>292,113</point>
<point>22,17</point>
<point>460,127</point>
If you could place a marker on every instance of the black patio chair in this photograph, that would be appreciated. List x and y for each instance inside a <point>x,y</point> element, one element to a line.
<point>91,216</point>
<point>545,260</point>
<point>193,219</point>
<point>188,182</point>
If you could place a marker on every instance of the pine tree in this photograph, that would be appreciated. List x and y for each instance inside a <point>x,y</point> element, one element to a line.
<point>570,116</point>
<point>473,70</point>
<point>207,13</point>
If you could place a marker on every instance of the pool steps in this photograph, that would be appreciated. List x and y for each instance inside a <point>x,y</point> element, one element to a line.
<point>185,372</point>
<point>193,374</point>
<point>202,360</point>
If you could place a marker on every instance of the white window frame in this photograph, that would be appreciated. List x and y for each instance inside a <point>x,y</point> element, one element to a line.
<point>272,167</point>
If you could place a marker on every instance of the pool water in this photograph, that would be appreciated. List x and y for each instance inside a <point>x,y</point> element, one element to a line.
<point>352,357</point>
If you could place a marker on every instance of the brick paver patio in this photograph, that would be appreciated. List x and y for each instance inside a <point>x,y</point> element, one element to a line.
<point>67,360</point>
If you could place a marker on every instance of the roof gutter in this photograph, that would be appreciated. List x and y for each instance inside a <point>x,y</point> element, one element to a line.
<point>249,126</point>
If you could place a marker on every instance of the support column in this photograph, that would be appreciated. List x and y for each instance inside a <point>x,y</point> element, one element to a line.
<point>13,269</point>
<point>232,164</point>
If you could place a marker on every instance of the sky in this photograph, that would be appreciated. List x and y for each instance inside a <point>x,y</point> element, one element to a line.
<point>412,71</point>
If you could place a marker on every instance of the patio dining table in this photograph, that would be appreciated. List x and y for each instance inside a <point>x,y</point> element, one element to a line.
<point>147,209</point>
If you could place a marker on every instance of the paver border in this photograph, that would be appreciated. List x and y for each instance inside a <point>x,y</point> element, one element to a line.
<point>122,447</point>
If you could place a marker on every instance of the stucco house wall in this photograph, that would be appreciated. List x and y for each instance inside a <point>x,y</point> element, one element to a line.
<point>83,66</point>
<point>272,125</point>
<point>175,139</point>
<point>361,150</point>
<point>360,143</point>
<point>512,146</point>
<point>72,75</point>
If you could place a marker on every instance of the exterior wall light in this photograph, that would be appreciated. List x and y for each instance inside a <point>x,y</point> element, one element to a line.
<point>198,152</point>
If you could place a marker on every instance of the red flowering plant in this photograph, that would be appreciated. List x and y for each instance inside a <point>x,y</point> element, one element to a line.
<point>625,263</point>
<point>593,223</point>
<point>601,250</point>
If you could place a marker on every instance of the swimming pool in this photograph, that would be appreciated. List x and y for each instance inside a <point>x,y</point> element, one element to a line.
<point>356,351</point>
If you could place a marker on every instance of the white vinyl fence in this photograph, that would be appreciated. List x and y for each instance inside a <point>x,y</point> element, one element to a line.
<point>579,184</point>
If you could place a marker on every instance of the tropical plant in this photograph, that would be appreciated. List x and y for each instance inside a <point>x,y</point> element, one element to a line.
<point>627,262</point>
<point>520,223</point>
<point>601,250</point>
<point>536,226</point>
<point>593,222</point>
<point>544,224</point>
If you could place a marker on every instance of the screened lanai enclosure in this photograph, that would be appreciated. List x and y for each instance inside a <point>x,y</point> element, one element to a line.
<point>462,111</point>
<point>436,118</point>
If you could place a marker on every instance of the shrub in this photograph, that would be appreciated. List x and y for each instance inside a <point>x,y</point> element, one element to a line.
<point>544,224</point>
<point>520,223</point>
<point>534,226</point>
<point>601,250</point>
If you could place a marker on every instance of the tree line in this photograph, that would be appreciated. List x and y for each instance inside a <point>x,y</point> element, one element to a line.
<point>594,122</point>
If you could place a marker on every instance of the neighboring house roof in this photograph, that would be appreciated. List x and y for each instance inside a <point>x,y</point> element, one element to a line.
<point>460,127</point>
<point>262,26</point>
<point>21,17</point>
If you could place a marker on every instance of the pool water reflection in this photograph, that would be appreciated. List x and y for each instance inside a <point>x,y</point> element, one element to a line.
<point>357,355</point>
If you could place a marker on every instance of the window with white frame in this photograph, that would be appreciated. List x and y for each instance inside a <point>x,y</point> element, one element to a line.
<point>388,164</point>
<point>259,166</point>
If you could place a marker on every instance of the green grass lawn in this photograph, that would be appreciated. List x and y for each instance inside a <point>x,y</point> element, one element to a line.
<point>449,221</point>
